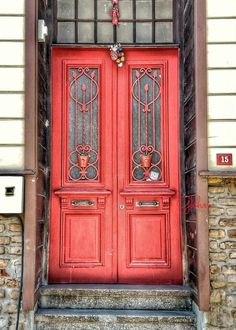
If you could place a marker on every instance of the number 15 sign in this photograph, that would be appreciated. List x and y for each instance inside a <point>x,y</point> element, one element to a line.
<point>224,159</point>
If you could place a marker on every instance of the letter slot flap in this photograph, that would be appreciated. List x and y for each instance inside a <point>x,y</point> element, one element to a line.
<point>82,202</point>
<point>147,204</point>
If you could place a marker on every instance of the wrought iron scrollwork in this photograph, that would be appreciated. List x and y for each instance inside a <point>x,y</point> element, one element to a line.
<point>146,125</point>
<point>83,124</point>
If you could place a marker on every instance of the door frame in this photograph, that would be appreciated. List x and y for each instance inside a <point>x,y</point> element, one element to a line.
<point>31,172</point>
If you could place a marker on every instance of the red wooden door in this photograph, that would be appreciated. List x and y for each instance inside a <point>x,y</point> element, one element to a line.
<point>115,213</point>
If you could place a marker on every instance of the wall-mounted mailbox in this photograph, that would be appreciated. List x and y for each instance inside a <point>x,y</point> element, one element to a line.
<point>11,194</point>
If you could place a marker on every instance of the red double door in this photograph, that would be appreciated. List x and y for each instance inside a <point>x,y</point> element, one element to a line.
<point>115,212</point>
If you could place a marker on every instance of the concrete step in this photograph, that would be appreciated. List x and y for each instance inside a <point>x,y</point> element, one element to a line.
<point>140,297</point>
<point>103,319</point>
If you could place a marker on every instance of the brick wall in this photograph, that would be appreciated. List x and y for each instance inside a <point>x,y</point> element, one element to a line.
<point>222,241</point>
<point>10,270</point>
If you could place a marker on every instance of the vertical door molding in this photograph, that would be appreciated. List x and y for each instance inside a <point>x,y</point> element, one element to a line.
<point>30,154</point>
<point>201,150</point>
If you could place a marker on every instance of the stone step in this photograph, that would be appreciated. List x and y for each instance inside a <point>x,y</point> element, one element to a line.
<point>91,296</point>
<point>102,319</point>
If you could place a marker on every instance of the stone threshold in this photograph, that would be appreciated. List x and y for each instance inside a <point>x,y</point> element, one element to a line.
<point>88,313</point>
<point>51,289</point>
<point>115,296</point>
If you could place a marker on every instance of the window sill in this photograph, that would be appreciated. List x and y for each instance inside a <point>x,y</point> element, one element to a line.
<point>217,174</point>
<point>16,172</point>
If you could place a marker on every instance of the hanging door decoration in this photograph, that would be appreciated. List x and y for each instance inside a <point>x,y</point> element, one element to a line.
<point>117,55</point>
<point>115,13</point>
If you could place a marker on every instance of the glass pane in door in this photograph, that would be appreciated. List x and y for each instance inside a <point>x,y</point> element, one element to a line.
<point>146,125</point>
<point>83,119</point>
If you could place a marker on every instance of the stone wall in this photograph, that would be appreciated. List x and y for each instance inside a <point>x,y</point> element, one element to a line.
<point>222,242</point>
<point>10,270</point>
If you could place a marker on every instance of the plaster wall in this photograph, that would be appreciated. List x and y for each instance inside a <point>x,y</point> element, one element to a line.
<point>12,60</point>
<point>221,57</point>
<point>221,38</point>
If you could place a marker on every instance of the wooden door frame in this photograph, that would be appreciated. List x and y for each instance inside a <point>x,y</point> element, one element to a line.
<point>200,39</point>
<point>31,160</point>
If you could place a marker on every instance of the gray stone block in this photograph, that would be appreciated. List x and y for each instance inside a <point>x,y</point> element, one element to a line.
<point>148,297</point>
<point>52,319</point>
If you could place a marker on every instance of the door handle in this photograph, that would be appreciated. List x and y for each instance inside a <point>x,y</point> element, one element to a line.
<point>148,204</point>
<point>82,202</point>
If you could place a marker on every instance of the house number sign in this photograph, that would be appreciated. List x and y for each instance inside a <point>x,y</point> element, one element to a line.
<point>224,159</point>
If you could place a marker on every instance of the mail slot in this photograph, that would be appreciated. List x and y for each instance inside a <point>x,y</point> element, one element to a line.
<point>82,202</point>
<point>147,204</point>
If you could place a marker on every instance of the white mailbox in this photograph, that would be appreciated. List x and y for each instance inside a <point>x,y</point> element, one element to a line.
<point>11,194</point>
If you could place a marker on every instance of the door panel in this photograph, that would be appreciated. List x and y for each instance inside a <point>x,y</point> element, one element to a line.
<point>115,168</point>
<point>81,239</point>
<point>148,181</point>
<point>145,248</point>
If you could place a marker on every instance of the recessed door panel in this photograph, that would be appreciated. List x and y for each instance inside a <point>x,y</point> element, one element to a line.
<point>115,213</point>
<point>83,238</point>
<point>147,240</point>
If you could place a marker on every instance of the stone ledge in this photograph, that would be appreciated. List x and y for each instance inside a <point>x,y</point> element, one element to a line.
<point>98,296</point>
<point>74,289</point>
<point>218,174</point>
<point>110,319</point>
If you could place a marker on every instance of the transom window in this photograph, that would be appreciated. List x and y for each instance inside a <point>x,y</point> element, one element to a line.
<point>89,22</point>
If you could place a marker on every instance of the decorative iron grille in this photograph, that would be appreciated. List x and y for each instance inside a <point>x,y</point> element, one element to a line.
<point>146,125</point>
<point>89,22</point>
<point>83,118</point>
